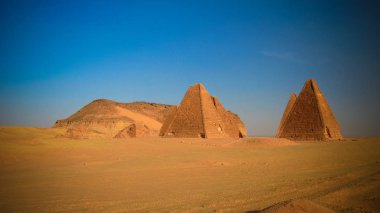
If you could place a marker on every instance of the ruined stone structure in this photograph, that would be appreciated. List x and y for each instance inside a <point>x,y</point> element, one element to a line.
<point>308,116</point>
<point>202,115</point>
<point>134,130</point>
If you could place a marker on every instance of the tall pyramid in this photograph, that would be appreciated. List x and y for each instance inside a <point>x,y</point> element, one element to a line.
<point>308,116</point>
<point>201,115</point>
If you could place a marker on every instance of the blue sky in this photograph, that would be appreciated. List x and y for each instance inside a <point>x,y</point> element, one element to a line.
<point>57,56</point>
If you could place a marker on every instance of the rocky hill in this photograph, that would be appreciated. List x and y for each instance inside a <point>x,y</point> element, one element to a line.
<point>105,118</point>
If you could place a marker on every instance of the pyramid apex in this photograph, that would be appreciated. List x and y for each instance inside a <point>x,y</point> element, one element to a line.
<point>199,85</point>
<point>314,85</point>
<point>312,81</point>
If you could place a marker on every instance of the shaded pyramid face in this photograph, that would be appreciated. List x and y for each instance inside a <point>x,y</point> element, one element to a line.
<point>203,116</point>
<point>289,107</point>
<point>309,117</point>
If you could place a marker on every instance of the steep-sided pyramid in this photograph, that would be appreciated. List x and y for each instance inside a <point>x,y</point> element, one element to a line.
<point>201,115</point>
<point>308,116</point>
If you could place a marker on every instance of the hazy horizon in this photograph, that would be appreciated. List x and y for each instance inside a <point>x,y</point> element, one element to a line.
<point>58,56</point>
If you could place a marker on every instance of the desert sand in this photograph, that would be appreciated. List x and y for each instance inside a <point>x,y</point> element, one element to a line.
<point>40,172</point>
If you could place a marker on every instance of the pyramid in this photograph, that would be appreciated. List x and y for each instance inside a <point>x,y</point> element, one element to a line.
<point>308,116</point>
<point>134,130</point>
<point>201,115</point>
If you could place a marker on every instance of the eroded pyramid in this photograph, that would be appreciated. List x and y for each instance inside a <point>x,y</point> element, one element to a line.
<point>134,130</point>
<point>202,115</point>
<point>309,117</point>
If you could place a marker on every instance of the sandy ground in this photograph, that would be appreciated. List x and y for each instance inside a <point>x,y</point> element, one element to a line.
<point>42,173</point>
